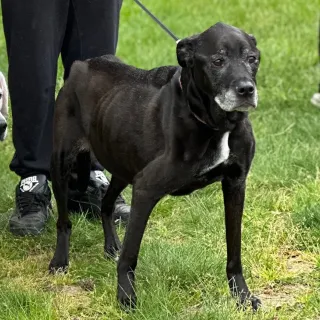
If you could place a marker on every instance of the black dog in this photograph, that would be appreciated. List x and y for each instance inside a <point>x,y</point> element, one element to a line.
<point>170,130</point>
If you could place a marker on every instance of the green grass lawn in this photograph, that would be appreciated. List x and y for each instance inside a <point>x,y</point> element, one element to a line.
<point>181,271</point>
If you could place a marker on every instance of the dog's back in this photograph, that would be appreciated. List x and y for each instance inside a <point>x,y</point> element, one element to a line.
<point>108,71</point>
<point>118,71</point>
<point>92,79</point>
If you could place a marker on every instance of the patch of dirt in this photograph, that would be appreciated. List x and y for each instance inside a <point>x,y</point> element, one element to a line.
<point>297,263</point>
<point>70,299</point>
<point>287,294</point>
<point>71,290</point>
<point>87,284</point>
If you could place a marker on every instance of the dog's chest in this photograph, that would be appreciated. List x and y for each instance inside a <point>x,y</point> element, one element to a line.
<point>216,157</point>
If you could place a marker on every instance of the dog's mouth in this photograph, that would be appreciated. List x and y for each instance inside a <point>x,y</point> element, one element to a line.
<point>230,102</point>
<point>245,107</point>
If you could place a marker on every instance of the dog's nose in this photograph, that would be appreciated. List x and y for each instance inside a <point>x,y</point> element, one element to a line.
<point>245,88</point>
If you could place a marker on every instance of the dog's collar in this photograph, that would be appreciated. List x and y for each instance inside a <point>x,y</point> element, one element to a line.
<point>190,109</point>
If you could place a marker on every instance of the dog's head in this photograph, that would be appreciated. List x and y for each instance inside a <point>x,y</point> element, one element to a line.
<point>222,63</point>
<point>3,107</point>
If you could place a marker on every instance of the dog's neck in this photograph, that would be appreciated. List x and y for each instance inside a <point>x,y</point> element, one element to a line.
<point>201,106</point>
<point>197,117</point>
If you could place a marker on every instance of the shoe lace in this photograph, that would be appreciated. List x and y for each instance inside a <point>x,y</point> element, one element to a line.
<point>29,202</point>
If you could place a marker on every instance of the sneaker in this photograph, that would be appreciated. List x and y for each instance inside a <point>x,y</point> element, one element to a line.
<point>315,100</point>
<point>121,212</point>
<point>33,206</point>
<point>90,201</point>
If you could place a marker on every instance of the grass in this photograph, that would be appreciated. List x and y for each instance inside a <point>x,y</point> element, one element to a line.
<point>181,271</point>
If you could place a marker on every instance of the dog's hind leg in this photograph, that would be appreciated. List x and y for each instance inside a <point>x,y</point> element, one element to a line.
<point>70,151</point>
<point>112,243</point>
<point>234,195</point>
<point>59,173</point>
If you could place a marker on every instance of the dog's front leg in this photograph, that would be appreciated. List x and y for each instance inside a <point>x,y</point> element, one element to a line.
<point>234,195</point>
<point>141,207</point>
<point>156,180</point>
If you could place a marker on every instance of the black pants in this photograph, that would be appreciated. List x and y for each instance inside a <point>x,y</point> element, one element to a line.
<point>36,32</point>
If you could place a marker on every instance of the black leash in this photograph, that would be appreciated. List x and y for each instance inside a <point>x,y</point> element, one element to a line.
<point>157,21</point>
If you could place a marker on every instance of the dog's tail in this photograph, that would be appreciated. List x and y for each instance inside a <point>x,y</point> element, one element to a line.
<point>5,95</point>
<point>71,149</point>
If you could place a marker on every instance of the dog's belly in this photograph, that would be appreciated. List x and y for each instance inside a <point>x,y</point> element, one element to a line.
<point>121,165</point>
<point>125,160</point>
<point>126,131</point>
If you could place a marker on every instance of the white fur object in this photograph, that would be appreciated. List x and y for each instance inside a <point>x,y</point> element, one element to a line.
<point>5,96</point>
<point>222,154</point>
<point>228,101</point>
<point>4,99</point>
<point>315,100</point>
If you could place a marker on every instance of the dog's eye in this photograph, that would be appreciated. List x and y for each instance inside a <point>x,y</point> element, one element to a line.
<point>0,95</point>
<point>218,62</point>
<point>252,59</point>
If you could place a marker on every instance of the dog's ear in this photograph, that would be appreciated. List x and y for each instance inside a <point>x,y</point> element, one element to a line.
<point>185,52</point>
<point>5,96</point>
<point>252,37</point>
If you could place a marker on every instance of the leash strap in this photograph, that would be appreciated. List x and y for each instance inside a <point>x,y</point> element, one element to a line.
<point>157,21</point>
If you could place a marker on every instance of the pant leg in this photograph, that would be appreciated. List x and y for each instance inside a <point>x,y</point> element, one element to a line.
<point>92,31</point>
<point>34,30</point>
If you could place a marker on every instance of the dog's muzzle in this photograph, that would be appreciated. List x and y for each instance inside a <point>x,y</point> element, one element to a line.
<point>241,97</point>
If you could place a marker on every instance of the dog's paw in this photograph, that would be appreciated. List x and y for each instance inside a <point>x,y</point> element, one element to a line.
<point>112,250</point>
<point>255,303</point>
<point>112,254</point>
<point>247,299</point>
<point>127,301</point>
<point>56,267</point>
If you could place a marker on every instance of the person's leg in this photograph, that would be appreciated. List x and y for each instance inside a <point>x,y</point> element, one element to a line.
<point>34,31</point>
<point>92,31</point>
